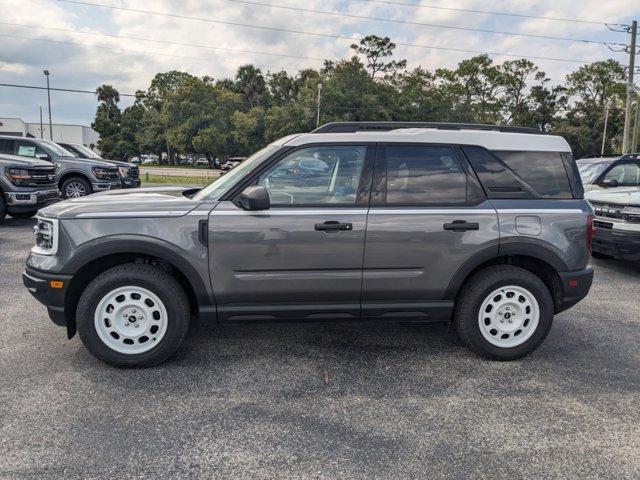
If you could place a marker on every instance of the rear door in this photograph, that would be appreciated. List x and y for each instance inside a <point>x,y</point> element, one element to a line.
<point>428,219</point>
<point>302,258</point>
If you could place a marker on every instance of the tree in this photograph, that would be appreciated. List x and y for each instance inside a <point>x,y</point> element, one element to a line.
<point>107,120</point>
<point>251,84</point>
<point>376,49</point>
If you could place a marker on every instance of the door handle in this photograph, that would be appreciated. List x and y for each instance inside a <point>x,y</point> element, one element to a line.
<point>461,226</point>
<point>333,226</point>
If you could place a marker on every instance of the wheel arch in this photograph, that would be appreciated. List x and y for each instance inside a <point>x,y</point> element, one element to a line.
<point>97,257</point>
<point>70,174</point>
<point>541,261</point>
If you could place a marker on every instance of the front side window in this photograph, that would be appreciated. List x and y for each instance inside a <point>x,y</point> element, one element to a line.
<point>426,175</point>
<point>626,174</point>
<point>26,149</point>
<point>320,175</point>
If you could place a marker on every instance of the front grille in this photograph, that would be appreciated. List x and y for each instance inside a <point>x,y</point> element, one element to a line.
<point>43,176</point>
<point>134,172</point>
<point>603,225</point>
<point>112,175</point>
<point>607,210</point>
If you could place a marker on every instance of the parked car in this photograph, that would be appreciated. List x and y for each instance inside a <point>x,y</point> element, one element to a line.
<point>610,172</point>
<point>202,162</point>
<point>617,223</point>
<point>482,226</point>
<point>129,172</point>
<point>26,185</point>
<point>232,162</point>
<point>76,177</point>
<point>149,161</point>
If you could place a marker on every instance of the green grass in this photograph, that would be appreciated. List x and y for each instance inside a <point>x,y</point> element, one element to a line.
<point>174,180</point>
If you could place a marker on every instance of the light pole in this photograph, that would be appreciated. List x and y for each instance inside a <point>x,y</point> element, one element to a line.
<point>46,74</point>
<point>604,131</point>
<point>41,132</point>
<point>318,111</point>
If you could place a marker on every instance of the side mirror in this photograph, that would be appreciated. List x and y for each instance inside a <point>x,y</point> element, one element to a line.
<point>43,156</point>
<point>610,183</point>
<point>254,198</point>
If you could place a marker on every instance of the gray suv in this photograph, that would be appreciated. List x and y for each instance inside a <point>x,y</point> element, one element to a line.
<point>482,226</point>
<point>76,177</point>
<point>26,185</point>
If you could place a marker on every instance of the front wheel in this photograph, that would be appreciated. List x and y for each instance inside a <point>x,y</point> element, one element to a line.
<point>503,312</point>
<point>75,187</point>
<point>133,315</point>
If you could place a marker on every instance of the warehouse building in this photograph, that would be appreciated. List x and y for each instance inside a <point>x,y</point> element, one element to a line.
<point>62,132</point>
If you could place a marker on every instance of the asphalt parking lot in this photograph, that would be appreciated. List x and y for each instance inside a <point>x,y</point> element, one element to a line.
<point>323,401</point>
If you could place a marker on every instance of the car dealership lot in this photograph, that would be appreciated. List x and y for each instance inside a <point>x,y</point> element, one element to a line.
<point>323,400</point>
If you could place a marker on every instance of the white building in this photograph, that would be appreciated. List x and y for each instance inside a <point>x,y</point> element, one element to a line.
<point>61,132</point>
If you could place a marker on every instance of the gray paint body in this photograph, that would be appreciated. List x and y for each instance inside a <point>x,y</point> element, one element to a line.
<point>273,264</point>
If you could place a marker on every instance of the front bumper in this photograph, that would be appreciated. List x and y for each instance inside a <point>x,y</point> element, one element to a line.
<point>575,286</point>
<point>106,185</point>
<point>617,243</point>
<point>130,182</point>
<point>40,285</point>
<point>31,200</point>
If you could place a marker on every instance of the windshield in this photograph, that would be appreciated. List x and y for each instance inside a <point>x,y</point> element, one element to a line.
<point>590,171</point>
<point>88,152</point>
<point>214,190</point>
<point>57,149</point>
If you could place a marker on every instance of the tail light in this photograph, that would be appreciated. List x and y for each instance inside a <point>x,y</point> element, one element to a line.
<point>590,231</point>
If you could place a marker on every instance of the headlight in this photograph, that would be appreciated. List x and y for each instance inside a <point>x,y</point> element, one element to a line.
<point>18,176</point>
<point>46,233</point>
<point>123,171</point>
<point>101,173</point>
<point>631,214</point>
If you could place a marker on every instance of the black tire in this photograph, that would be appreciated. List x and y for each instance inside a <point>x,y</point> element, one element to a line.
<point>478,288</point>
<point>3,206</point>
<point>601,256</point>
<point>23,215</point>
<point>75,180</point>
<point>168,290</point>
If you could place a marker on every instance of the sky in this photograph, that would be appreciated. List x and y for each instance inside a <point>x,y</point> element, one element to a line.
<point>83,46</point>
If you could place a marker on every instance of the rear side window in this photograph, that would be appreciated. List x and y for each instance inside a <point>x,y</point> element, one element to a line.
<point>543,171</point>
<point>424,175</point>
<point>6,146</point>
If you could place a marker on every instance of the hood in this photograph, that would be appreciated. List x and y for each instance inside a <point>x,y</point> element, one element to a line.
<point>119,163</point>
<point>15,161</point>
<point>622,196</point>
<point>142,203</point>
<point>85,161</point>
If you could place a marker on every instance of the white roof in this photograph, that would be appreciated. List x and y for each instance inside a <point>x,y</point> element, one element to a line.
<point>492,140</point>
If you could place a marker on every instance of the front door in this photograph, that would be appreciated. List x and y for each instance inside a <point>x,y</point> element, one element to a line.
<point>428,219</point>
<point>302,258</point>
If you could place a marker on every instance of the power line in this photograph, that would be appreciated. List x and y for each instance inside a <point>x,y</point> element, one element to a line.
<point>166,42</point>
<point>143,52</point>
<point>316,34</point>
<point>71,90</point>
<point>505,14</point>
<point>422,24</point>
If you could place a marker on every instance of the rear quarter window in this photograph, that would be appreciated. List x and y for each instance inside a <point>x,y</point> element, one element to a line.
<point>544,172</point>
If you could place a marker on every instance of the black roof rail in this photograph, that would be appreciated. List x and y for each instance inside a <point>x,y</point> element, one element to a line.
<point>351,127</point>
<point>630,156</point>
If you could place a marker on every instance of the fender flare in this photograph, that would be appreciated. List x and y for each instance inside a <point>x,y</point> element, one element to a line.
<point>135,244</point>
<point>532,248</point>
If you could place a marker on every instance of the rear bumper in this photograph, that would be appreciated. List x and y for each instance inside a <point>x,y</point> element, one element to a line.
<point>575,286</point>
<point>39,285</point>
<point>617,243</point>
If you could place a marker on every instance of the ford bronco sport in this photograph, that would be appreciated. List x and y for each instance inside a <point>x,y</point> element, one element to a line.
<point>76,177</point>
<point>483,226</point>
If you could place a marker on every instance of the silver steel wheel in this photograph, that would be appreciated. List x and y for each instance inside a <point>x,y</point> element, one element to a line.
<point>509,316</point>
<point>130,319</point>
<point>75,190</point>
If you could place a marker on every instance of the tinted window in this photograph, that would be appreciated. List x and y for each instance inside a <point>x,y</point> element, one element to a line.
<point>6,146</point>
<point>316,175</point>
<point>627,174</point>
<point>544,172</point>
<point>424,175</point>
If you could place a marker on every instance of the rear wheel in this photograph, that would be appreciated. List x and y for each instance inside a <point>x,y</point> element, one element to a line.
<point>503,312</point>
<point>133,315</point>
<point>75,187</point>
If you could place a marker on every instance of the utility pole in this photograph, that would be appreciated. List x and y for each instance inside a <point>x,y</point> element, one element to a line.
<point>630,88</point>
<point>604,131</point>
<point>636,127</point>
<point>41,133</point>
<point>46,74</point>
<point>318,111</point>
